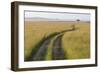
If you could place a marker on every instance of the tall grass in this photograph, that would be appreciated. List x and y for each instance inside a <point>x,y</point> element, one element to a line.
<point>77,43</point>
<point>35,31</point>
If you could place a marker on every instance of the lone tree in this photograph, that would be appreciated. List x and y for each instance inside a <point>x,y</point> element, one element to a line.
<point>78,20</point>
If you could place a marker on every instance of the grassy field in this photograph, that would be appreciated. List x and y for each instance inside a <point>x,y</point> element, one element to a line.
<point>75,43</point>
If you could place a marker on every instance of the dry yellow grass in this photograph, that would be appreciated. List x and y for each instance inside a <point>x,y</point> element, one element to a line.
<point>77,43</point>
<point>35,31</point>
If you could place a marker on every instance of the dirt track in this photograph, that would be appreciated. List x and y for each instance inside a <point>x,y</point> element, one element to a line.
<point>57,50</point>
<point>41,50</point>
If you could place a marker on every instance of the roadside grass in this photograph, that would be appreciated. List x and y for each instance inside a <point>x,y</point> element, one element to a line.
<point>49,51</point>
<point>76,43</point>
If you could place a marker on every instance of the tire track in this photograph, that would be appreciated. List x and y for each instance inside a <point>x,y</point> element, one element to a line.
<point>57,50</point>
<point>40,55</point>
<point>40,50</point>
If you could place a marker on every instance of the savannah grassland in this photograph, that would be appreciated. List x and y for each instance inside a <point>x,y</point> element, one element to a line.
<point>76,43</point>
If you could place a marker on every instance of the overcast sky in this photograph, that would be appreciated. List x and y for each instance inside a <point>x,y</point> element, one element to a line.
<point>56,16</point>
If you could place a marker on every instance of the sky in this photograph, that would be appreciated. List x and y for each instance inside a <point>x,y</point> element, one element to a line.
<point>56,16</point>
